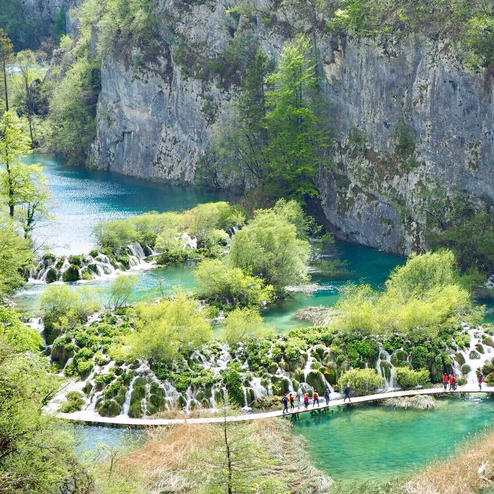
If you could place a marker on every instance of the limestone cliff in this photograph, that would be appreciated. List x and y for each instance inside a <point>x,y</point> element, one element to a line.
<point>155,116</point>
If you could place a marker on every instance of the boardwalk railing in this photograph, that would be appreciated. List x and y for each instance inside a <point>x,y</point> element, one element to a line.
<point>123,421</point>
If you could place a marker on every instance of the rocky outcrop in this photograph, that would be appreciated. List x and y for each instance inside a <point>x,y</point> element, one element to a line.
<point>412,125</point>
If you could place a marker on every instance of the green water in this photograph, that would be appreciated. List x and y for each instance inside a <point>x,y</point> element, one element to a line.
<point>82,198</point>
<point>369,441</point>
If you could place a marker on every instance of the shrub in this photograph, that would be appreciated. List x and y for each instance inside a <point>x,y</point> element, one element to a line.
<point>229,286</point>
<point>408,378</point>
<point>361,381</point>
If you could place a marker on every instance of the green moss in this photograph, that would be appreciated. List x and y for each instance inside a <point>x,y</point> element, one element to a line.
<point>135,410</point>
<point>71,274</point>
<point>51,275</point>
<point>109,408</point>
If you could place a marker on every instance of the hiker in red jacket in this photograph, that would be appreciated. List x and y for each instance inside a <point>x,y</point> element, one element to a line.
<point>315,398</point>
<point>445,381</point>
<point>481,380</point>
<point>452,382</point>
<point>306,400</point>
<point>292,399</point>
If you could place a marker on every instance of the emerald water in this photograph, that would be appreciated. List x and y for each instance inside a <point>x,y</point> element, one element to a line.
<point>369,441</point>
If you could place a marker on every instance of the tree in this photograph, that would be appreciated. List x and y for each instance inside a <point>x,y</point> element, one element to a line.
<point>121,290</point>
<point>18,180</point>
<point>269,247</point>
<point>25,61</point>
<point>298,136</point>
<point>244,324</point>
<point>36,456</point>
<point>17,335</point>
<point>165,328</point>
<point>64,307</point>
<point>228,286</point>
<point>240,140</point>
<point>16,257</point>
<point>6,53</point>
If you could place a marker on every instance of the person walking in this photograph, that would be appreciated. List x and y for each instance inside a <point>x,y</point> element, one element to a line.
<point>306,400</point>
<point>445,381</point>
<point>452,382</point>
<point>292,400</point>
<point>299,398</point>
<point>327,396</point>
<point>285,405</point>
<point>481,380</point>
<point>315,399</point>
<point>347,394</point>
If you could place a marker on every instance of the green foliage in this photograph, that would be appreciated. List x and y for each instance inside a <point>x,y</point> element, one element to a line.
<point>18,336</point>
<point>64,308</point>
<point>422,295</point>
<point>269,247</point>
<point>469,236</point>
<point>21,186</point>
<point>297,136</point>
<point>205,222</point>
<point>73,110</point>
<point>361,381</point>
<point>37,456</point>
<point>404,140</point>
<point>244,324</point>
<point>233,383</point>
<point>408,378</point>
<point>165,328</point>
<point>75,402</point>
<point>121,290</point>
<point>228,286</point>
<point>466,22</point>
<point>16,257</point>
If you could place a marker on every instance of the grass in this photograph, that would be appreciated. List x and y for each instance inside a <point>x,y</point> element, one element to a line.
<point>183,458</point>
<point>470,471</point>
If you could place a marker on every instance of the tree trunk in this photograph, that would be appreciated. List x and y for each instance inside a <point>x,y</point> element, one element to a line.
<point>229,487</point>
<point>4,66</point>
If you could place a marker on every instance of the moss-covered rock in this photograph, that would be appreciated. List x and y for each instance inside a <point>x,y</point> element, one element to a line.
<point>316,380</point>
<point>86,274</point>
<point>109,408</point>
<point>75,260</point>
<point>52,275</point>
<point>71,274</point>
<point>480,348</point>
<point>465,369</point>
<point>459,357</point>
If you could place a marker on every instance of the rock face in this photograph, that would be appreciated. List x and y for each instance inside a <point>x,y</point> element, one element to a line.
<point>43,13</point>
<point>374,196</point>
<point>411,123</point>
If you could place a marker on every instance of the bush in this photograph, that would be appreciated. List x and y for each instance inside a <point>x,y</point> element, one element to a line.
<point>230,287</point>
<point>408,378</point>
<point>462,381</point>
<point>361,381</point>
<point>75,402</point>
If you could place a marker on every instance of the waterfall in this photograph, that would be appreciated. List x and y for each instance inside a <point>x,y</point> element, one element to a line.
<point>391,380</point>
<point>473,357</point>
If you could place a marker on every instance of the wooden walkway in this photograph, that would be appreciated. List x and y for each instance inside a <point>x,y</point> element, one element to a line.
<point>124,421</point>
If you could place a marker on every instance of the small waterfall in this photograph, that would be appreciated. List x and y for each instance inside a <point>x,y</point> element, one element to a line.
<point>391,380</point>
<point>474,358</point>
<point>36,323</point>
<point>308,365</point>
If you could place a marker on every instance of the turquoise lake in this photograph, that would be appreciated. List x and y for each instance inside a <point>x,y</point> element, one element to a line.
<point>82,198</point>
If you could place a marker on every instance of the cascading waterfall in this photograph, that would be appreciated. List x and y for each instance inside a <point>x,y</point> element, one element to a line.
<point>91,266</point>
<point>391,379</point>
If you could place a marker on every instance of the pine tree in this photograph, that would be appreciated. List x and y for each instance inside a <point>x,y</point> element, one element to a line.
<point>298,135</point>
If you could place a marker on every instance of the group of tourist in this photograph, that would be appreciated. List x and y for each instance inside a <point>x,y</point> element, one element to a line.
<point>305,399</point>
<point>449,379</point>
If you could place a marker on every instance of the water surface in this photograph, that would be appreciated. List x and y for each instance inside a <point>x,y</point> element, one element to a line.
<point>369,441</point>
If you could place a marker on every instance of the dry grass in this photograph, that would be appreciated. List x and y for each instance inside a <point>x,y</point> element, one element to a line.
<point>470,471</point>
<point>169,456</point>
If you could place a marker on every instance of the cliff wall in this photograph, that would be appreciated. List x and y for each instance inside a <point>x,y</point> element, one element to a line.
<point>412,125</point>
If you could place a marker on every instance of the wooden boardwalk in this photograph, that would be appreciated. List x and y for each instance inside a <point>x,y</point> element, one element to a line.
<point>124,421</point>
